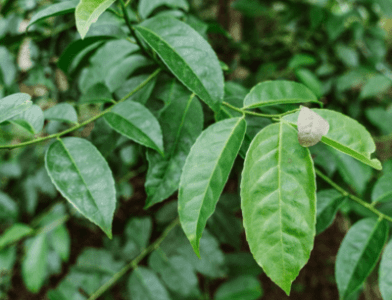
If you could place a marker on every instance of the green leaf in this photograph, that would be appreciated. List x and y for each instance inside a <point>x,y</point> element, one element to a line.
<point>31,119</point>
<point>138,233</point>
<point>52,10</point>
<point>328,202</point>
<point>205,173</point>
<point>144,284</point>
<point>359,253</point>
<point>88,12</point>
<point>137,123</point>
<point>35,262</point>
<point>375,86</point>
<point>146,7</point>
<point>8,206</point>
<point>245,287</point>
<point>382,191</point>
<point>348,55</point>
<point>242,263</point>
<point>140,96</point>
<point>251,8</point>
<point>381,118</point>
<point>278,92</point>
<point>182,123</point>
<point>346,135</point>
<point>7,66</point>
<point>14,233</point>
<point>310,80</point>
<point>278,194</point>
<point>84,178</point>
<point>13,105</point>
<point>97,93</point>
<point>60,241</point>
<point>385,273</point>
<point>302,60</point>
<point>187,55</point>
<point>62,112</point>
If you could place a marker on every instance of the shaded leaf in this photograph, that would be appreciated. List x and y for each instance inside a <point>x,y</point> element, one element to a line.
<point>245,287</point>
<point>60,241</point>
<point>14,233</point>
<point>8,206</point>
<point>385,273</point>
<point>310,80</point>
<point>381,118</point>
<point>301,60</point>
<point>328,202</point>
<point>140,96</point>
<point>97,93</point>
<point>382,190</point>
<point>374,86</point>
<point>146,7</point>
<point>242,263</point>
<point>8,69</point>
<point>62,112</point>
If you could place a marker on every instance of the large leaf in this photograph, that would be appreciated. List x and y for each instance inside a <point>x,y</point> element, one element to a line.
<point>62,112</point>
<point>187,55</point>
<point>359,253</point>
<point>382,191</point>
<point>146,7</point>
<point>328,202</point>
<point>84,178</point>
<point>205,173</point>
<point>13,105</point>
<point>136,122</point>
<point>88,12</point>
<point>182,123</point>
<point>278,92</point>
<point>385,273</point>
<point>278,194</point>
<point>346,135</point>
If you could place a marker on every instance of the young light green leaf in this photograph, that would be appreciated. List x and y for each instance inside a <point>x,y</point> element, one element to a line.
<point>14,233</point>
<point>328,202</point>
<point>137,123</point>
<point>278,92</point>
<point>187,55</point>
<point>385,273</point>
<point>346,135</point>
<point>205,173</point>
<point>52,10</point>
<point>310,80</point>
<point>245,287</point>
<point>88,12</point>
<point>182,123</point>
<point>13,105</point>
<point>84,178</point>
<point>278,201</point>
<point>31,119</point>
<point>382,191</point>
<point>62,112</point>
<point>359,253</point>
<point>146,7</point>
<point>311,127</point>
<point>35,262</point>
<point>97,93</point>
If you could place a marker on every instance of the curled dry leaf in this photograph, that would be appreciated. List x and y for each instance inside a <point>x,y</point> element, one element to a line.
<point>311,127</point>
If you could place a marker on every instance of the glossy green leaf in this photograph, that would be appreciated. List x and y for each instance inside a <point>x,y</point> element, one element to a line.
<point>14,234</point>
<point>278,92</point>
<point>310,80</point>
<point>187,55</point>
<point>137,123</point>
<point>382,190</point>
<point>31,119</point>
<point>359,253</point>
<point>328,202</point>
<point>35,262</point>
<point>182,123</point>
<point>144,284</point>
<point>52,10</point>
<point>385,273</point>
<point>62,112</point>
<point>13,105</point>
<point>7,67</point>
<point>278,194</point>
<point>375,86</point>
<point>346,135</point>
<point>140,96</point>
<point>97,93</point>
<point>88,12</point>
<point>84,178</point>
<point>146,7</point>
<point>245,287</point>
<point>205,173</point>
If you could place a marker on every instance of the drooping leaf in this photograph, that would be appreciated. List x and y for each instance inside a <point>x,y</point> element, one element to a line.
<point>146,7</point>
<point>245,287</point>
<point>88,12</point>
<point>84,178</point>
<point>182,123</point>
<point>346,135</point>
<point>187,55</point>
<point>7,67</point>
<point>31,119</point>
<point>385,273</point>
<point>13,105</point>
<point>310,80</point>
<point>359,253</point>
<point>278,92</point>
<point>14,233</point>
<point>62,112</point>
<point>278,200</point>
<point>328,202</point>
<point>382,190</point>
<point>205,173</point>
<point>137,123</point>
<point>311,127</point>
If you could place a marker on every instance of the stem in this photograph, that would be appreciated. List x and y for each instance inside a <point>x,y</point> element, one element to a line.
<point>133,264</point>
<point>352,197</point>
<point>244,111</point>
<point>57,135</point>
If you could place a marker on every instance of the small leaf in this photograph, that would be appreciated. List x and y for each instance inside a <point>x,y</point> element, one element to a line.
<point>14,234</point>
<point>8,206</point>
<point>245,287</point>
<point>8,69</point>
<point>205,173</point>
<point>62,112</point>
<point>301,60</point>
<point>60,241</point>
<point>382,191</point>
<point>146,7</point>
<point>278,201</point>
<point>187,55</point>
<point>97,93</point>
<point>88,12</point>
<point>31,119</point>
<point>137,123</point>
<point>359,253</point>
<point>84,178</point>
<point>385,273</point>
<point>375,86</point>
<point>311,127</point>
<point>310,80</point>
<point>328,202</point>
<point>278,92</point>
<point>140,96</point>
<point>13,105</point>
